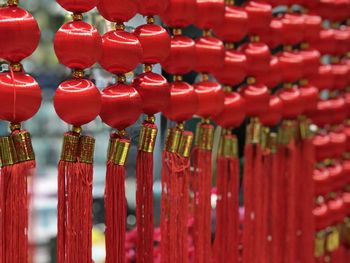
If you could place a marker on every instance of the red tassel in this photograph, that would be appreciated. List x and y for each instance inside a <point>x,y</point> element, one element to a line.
<point>115,200</point>
<point>202,193</point>
<point>226,234</point>
<point>144,192</point>
<point>75,172</point>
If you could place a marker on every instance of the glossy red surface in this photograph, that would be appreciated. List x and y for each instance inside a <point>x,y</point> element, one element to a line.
<point>258,57</point>
<point>325,43</point>
<point>154,90</point>
<point>117,10</point>
<point>235,25</point>
<point>338,143</point>
<point>78,6</point>
<point>183,102</point>
<point>321,180</point>
<point>340,76</point>
<point>180,13</point>
<point>152,36</point>
<point>121,106</point>
<point>324,79</point>
<point>274,113</point>
<point>210,98</point>
<point>77,92</point>
<point>310,96</point>
<point>151,7</point>
<point>311,62</point>
<point>210,53</point>
<point>20,97</point>
<point>312,27</point>
<point>321,215</point>
<point>336,210</point>
<point>121,52</point>
<point>19,34</point>
<point>293,25</point>
<point>234,69</point>
<point>233,113</point>
<point>78,45</point>
<point>321,143</point>
<point>342,37</point>
<point>337,110</point>
<point>292,102</point>
<point>257,99</point>
<point>259,16</point>
<point>291,64</point>
<point>182,56</point>
<point>272,75</point>
<point>273,35</point>
<point>346,130</point>
<point>210,13</point>
<point>321,116</point>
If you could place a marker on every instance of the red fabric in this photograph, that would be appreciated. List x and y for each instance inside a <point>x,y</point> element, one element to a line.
<point>144,207</point>
<point>14,215</point>
<point>115,213</point>
<point>74,240</point>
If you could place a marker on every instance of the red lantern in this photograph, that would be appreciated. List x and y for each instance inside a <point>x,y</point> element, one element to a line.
<point>273,114</point>
<point>152,7</point>
<point>259,16</point>
<point>258,57</point>
<point>210,13</point>
<point>257,99</point>
<point>118,11</point>
<point>209,54</point>
<point>292,102</point>
<point>180,13</point>
<point>78,6</point>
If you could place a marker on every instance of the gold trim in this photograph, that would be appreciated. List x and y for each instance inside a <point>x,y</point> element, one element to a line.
<point>206,137</point>
<point>119,26</point>
<point>78,73</point>
<point>86,149</point>
<point>177,31</point>
<point>147,68</point>
<point>12,2</point>
<point>172,140</point>
<point>251,80</point>
<point>70,148</point>
<point>320,243</point>
<point>7,151</point>
<point>254,131</point>
<point>273,142</point>
<point>185,144</point>
<point>118,151</point>
<point>23,146</point>
<point>333,239</point>
<point>177,78</point>
<point>77,17</point>
<point>147,138</point>
<point>150,20</point>
<point>264,137</point>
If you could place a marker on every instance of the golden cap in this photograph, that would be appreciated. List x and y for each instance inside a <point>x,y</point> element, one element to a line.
<point>23,146</point>
<point>333,240</point>
<point>172,140</point>
<point>148,135</point>
<point>70,148</point>
<point>118,150</point>
<point>253,131</point>
<point>206,137</point>
<point>185,144</point>
<point>7,151</point>
<point>86,149</point>
<point>320,242</point>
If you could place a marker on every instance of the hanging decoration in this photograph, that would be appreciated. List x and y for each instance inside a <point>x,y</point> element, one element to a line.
<point>20,100</point>
<point>155,94</point>
<point>78,46</point>
<point>121,107</point>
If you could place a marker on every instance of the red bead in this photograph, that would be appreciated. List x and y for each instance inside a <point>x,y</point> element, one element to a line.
<point>154,90</point>
<point>337,110</point>
<point>321,143</point>
<point>183,102</point>
<point>292,102</point>
<point>324,79</point>
<point>340,76</point>
<point>121,52</point>
<point>233,113</point>
<point>20,97</point>
<point>19,34</point>
<point>312,27</point>
<point>77,45</point>
<point>182,56</point>
<point>321,116</point>
<point>210,53</point>
<point>325,43</point>
<point>210,98</point>
<point>259,16</point>
<point>257,99</point>
<point>77,101</point>
<point>235,25</point>
<point>258,57</point>
<point>180,13</point>
<point>155,42</point>
<point>309,95</point>
<point>118,11</point>
<point>152,7</point>
<point>234,69</point>
<point>274,112</point>
<point>210,13</point>
<point>271,77</point>
<point>121,106</point>
<point>78,6</point>
<point>311,62</point>
<point>293,25</point>
<point>291,66</point>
